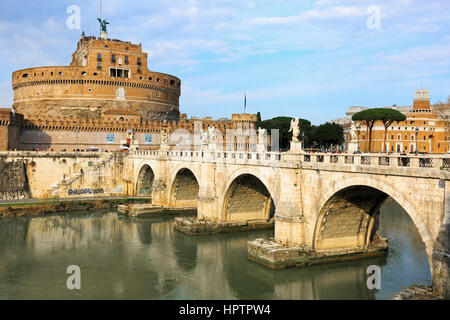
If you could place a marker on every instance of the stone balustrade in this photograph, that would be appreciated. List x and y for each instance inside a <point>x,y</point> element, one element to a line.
<point>287,159</point>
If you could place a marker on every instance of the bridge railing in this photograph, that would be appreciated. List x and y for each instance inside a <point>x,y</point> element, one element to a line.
<point>381,160</point>
<point>271,158</point>
<point>216,156</point>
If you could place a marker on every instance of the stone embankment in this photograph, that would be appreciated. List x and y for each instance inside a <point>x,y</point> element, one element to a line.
<point>136,210</point>
<point>36,209</point>
<point>278,256</point>
<point>190,225</point>
<point>417,293</point>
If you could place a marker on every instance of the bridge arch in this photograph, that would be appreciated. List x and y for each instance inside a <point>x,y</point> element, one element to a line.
<point>184,188</point>
<point>348,210</point>
<point>144,181</point>
<point>247,196</point>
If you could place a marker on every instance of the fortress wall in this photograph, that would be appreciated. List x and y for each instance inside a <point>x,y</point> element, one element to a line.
<point>13,180</point>
<point>69,140</point>
<point>92,97</point>
<point>44,169</point>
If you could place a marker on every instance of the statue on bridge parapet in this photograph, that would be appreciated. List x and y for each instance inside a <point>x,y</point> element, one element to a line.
<point>164,140</point>
<point>353,143</point>
<point>295,129</point>
<point>296,144</point>
<point>262,140</point>
<point>212,139</point>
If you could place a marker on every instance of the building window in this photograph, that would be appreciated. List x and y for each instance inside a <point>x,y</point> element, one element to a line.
<point>120,73</point>
<point>110,138</point>
<point>126,60</point>
<point>99,57</point>
<point>113,58</point>
<point>99,66</point>
<point>399,137</point>
<point>139,70</point>
<point>148,139</point>
<point>139,63</point>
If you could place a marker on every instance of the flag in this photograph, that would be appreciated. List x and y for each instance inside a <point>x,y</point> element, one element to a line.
<point>245,101</point>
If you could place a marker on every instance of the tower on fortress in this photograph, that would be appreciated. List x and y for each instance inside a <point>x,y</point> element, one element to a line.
<point>107,77</point>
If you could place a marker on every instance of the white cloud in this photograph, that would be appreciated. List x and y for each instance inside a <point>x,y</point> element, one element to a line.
<point>338,12</point>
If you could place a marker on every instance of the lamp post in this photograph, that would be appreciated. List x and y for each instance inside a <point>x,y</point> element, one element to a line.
<point>417,136</point>
<point>358,129</point>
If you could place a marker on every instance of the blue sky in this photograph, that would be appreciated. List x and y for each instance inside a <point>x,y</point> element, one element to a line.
<point>310,59</point>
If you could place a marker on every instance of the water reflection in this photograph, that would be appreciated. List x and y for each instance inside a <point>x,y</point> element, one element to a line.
<point>145,259</point>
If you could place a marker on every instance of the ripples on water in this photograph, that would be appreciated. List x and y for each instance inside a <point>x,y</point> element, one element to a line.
<point>145,259</point>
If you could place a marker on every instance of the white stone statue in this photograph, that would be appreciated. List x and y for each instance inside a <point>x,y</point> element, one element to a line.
<point>164,137</point>
<point>353,132</point>
<point>261,134</point>
<point>212,134</point>
<point>295,129</point>
<point>204,137</point>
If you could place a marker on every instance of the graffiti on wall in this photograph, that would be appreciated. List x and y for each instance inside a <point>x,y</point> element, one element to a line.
<point>76,192</point>
<point>14,195</point>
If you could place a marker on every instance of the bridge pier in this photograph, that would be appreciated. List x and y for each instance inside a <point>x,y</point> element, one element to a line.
<point>441,251</point>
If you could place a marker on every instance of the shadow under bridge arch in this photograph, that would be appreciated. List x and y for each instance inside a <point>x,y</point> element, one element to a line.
<point>246,199</point>
<point>145,180</point>
<point>184,191</point>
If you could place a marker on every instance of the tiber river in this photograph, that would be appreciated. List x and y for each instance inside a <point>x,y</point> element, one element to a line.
<point>145,259</point>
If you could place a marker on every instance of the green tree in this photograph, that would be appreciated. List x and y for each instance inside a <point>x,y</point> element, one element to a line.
<point>326,134</point>
<point>388,116</point>
<point>370,116</point>
<point>284,124</point>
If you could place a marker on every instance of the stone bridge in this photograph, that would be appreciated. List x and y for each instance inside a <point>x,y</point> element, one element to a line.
<point>324,206</point>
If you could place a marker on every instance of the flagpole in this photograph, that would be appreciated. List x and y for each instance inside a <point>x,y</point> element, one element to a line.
<point>245,101</point>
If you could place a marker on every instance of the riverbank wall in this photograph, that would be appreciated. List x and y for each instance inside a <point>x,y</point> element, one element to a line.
<point>50,207</point>
<point>47,175</point>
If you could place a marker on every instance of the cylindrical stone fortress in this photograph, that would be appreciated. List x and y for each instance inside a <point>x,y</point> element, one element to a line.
<point>105,76</point>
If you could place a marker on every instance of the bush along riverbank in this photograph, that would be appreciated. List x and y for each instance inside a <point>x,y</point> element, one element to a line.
<point>41,208</point>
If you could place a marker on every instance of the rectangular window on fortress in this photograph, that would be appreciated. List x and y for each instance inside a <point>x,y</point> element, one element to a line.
<point>126,60</point>
<point>110,138</point>
<point>120,73</point>
<point>148,138</point>
<point>139,61</point>
<point>99,57</point>
<point>113,58</point>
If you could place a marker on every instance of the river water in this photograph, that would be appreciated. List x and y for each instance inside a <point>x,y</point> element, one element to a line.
<point>145,259</point>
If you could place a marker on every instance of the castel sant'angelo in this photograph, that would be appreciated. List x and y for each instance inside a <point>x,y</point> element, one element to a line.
<point>106,92</point>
